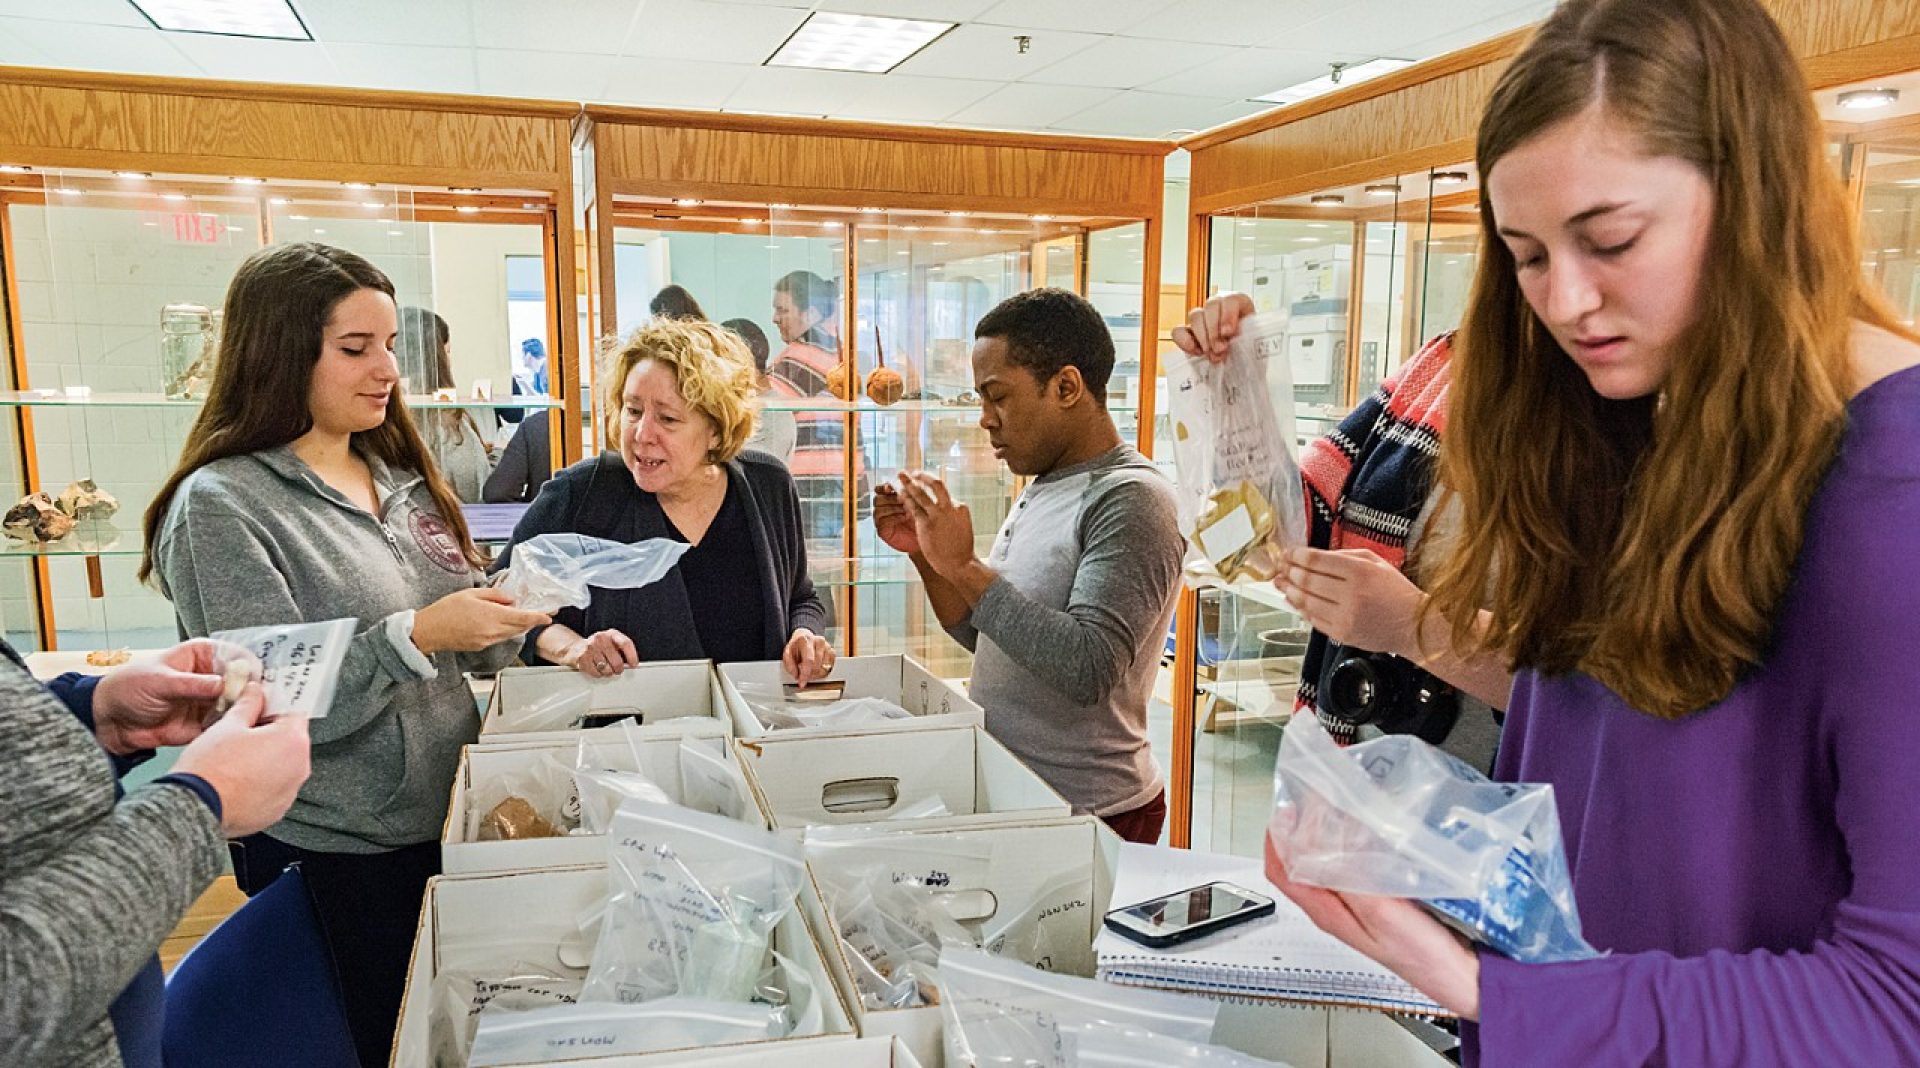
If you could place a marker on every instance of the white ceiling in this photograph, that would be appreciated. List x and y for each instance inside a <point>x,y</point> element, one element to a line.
<point>1139,68</point>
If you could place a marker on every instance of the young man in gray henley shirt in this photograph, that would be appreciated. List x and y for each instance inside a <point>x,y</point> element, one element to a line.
<point>1067,615</point>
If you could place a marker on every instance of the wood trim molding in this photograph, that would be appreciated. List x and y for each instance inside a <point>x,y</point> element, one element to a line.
<point>298,94</point>
<point>868,131</point>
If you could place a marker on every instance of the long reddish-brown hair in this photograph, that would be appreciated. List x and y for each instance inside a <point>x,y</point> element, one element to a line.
<point>1649,542</point>
<point>277,309</point>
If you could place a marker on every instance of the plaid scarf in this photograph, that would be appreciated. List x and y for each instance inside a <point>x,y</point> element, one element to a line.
<point>1368,480</point>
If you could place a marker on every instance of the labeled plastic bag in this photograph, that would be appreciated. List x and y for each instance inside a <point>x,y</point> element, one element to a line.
<point>560,709</point>
<point>1242,504</point>
<point>535,802</point>
<point>1398,817</point>
<point>709,782</point>
<point>1000,1012</point>
<point>893,933</point>
<point>586,1029</point>
<point>695,900</point>
<point>777,708</point>
<point>554,571</point>
<point>602,790</point>
<point>460,998</point>
<point>298,664</point>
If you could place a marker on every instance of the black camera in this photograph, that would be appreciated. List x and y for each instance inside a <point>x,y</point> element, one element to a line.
<point>1388,692</point>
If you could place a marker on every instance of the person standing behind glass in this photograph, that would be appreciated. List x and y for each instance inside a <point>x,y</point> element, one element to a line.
<point>805,309</point>
<point>451,434</point>
<point>773,431</point>
<point>305,493</point>
<point>674,302</point>
<point>679,409</point>
<point>533,382</point>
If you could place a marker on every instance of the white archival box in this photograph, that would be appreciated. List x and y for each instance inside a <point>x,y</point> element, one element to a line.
<point>933,701</point>
<point>504,919</point>
<point>872,777</point>
<point>667,695</point>
<point>481,765</point>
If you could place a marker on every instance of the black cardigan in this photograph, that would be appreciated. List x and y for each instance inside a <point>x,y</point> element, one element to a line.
<point>598,497</point>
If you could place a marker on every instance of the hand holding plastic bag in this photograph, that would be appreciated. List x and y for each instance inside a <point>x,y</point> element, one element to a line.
<point>555,571</point>
<point>1396,816</point>
<point>1241,501</point>
<point>298,664</point>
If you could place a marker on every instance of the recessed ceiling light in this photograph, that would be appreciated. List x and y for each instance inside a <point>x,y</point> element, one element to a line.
<point>770,246</point>
<point>910,229</point>
<point>13,168</point>
<point>173,196</point>
<point>871,211</point>
<point>1306,240</point>
<point>463,190</point>
<point>1326,200</point>
<point>1343,75</point>
<point>281,201</point>
<point>396,233</point>
<point>956,213</point>
<point>870,241</point>
<point>1868,99</point>
<point>371,204</point>
<point>1384,189</point>
<point>780,206</point>
<point>900,252</point>
<point>234,18</point>
<point>870,44</point>
<point>828,223</point>
<point>749,220</point>
<point>319,230</point>
<point>235,229</point>
<point>938,244</point>
<point>237,180</point>
<point>1451,177</point>
<point>1041,218</point>
<point>467,209</point>
<point>298,218</point>
<point>67,191</point>
<point>687,202</point>
<point>131,174</point>
<point>358,185</point>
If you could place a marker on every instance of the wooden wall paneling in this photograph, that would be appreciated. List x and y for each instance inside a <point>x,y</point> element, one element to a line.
<point>1186,622</point>
<point>1841,41</point>
<point>1149,332</point>
<point>563,309</point>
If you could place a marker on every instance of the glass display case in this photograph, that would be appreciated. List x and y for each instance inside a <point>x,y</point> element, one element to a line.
<point>1364,273</point>
<point>837,270</point>
<point>114,274</point>
<point>1880,160</point>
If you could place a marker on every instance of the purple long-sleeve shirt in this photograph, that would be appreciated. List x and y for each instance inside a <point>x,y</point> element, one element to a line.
<point>1753,869</point>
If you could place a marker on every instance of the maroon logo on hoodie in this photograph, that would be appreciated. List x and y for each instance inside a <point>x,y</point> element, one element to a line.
<point>432,535</point>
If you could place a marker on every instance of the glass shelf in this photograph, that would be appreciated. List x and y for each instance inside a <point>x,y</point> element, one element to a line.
<point>894,570</point>
<point>34,398</point>
<point>868,407</point>
<point>86,540</point>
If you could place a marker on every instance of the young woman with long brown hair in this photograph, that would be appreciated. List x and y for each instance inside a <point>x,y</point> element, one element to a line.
<point>304,492</point>
<point>1685,442</point>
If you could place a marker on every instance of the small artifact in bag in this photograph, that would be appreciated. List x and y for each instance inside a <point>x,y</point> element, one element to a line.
<point>515,819</point>
<point>1236,522</point>
<point>108,657</point>
<point>87,502</point>
<point>837,381</point>
<point>37,518</point>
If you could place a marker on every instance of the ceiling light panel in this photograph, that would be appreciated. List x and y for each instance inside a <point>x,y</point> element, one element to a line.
<point>1349,75</point>
<point>868,44</point>
<point>236,18</point>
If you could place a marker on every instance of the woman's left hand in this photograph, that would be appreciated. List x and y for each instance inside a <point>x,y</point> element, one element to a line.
<point>1396,932</point>
<point>808,656</point>
<point>1353,597</point>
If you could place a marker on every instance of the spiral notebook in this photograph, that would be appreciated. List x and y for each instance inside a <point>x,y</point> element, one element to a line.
<point>1283,956</point>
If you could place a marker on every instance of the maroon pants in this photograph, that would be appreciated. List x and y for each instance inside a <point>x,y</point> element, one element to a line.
<point>1141,824</point>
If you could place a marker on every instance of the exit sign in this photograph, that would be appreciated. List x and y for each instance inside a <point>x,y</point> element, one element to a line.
<point>196,229</point>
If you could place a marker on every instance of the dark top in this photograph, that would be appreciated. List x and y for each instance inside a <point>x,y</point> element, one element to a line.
<point>598,497</point>
<point>525,464</point>
<point>728,602</point>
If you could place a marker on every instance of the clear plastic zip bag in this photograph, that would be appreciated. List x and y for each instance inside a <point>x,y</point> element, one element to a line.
<point>297,664</point>
<point>599,1029</point>
<point>1242,504</point>
<point>554,571</point>
<point>777,709</point>
<point>461,997</point>
<point>1398,817</point>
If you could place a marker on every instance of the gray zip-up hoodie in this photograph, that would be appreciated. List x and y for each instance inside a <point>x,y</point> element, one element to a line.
<point>260,539</point>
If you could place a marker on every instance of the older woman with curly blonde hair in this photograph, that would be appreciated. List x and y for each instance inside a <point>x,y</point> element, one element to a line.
<point>679,408</point>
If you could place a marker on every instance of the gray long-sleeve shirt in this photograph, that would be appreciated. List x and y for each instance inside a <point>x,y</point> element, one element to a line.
<point>89,885</point>
<point>259,539</point>
<point>1068,638</point>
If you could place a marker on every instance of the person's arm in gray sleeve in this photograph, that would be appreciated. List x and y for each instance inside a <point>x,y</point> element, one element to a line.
<point>76,927</point>
<point>220,576</point>
<point>965,633</point>
<point>513,473</point>
<point>1129,564</point>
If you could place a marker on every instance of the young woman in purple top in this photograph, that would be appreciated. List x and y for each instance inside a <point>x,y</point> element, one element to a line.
<point>1685,440</point>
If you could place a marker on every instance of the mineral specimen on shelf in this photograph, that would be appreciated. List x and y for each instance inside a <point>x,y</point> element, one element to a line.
<point>885,385</point>
<point>87,502</point>
<point>837,381</point>
<point>36,518</point>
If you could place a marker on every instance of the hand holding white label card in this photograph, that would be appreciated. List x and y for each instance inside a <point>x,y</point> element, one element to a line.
<point>298,663</point>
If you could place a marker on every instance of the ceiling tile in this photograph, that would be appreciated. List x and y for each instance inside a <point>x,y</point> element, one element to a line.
<point>599,27</point>
<point>799,91</point>
<point>975,51</point>
<point>540,75</point>
<point>252,60</point>
<point>1141,114</point>
<point>100,12</point>
<point>673,83</point>
<point>1504,22</point>
<point>902,98</point>
<point>718,33</point>
<point>110,48</point>
<point>1377,27</point>
<point>422,23</point>
<point>425,70</point>
<point>1111,16</point>
<point>14,48</point>
<point>1231,22</point>
<point>1127,62</point>
<point>1024,106</point>
<point>937,10</point>
<point>1249,72</point>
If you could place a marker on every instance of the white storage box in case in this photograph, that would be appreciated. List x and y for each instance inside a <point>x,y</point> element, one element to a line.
<point>534,702</point>
<point>484,767</point>
<point>900,777</point>
<point>933,701</point>
<point>511,920</point>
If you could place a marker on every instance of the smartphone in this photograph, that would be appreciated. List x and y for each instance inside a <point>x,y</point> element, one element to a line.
<point>1188,914</point>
